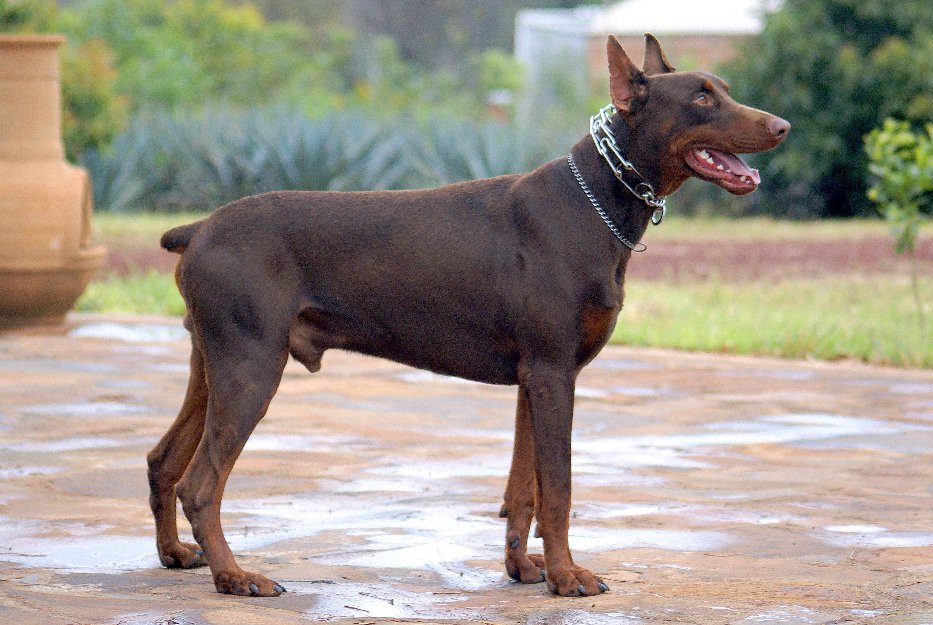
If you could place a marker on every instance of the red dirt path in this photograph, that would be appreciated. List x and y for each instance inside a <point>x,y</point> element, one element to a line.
<point>687,260</point>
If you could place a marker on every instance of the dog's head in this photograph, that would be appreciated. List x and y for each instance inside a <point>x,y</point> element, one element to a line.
<point>686,124</point>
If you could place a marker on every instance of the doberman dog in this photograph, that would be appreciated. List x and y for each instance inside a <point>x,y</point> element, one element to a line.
<point>512,280</point>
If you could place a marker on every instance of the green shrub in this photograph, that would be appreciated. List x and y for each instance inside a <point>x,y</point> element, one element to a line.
<point>181,52</point>
<point>902,163</point>
<point>92,110</point>
<point>835,69</point>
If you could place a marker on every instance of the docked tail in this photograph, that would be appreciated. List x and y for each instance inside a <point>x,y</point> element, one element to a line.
<point>177,239</point>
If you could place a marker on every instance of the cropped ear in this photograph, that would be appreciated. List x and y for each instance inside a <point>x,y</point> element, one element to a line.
<point>628,86</point>
<point>655,60</point>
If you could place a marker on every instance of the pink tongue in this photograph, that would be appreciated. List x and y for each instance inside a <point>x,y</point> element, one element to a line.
<point>734,163</point>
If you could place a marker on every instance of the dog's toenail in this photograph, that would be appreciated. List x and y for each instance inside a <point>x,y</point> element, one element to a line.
<point>253,589</point>
<point>280,589</point>
<point>603,587</point>
<point>581,590</point>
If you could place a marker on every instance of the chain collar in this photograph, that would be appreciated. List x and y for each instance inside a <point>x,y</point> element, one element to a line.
<point>606,145</point>
<point>635,247</point>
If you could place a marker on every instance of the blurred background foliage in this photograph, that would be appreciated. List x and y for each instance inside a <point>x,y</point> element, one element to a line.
<point>836,69</point>
<point>190,103</point>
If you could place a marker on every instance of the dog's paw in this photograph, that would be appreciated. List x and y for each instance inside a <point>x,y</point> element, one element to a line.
<point>525,568</point>
<point>182,556</point>
<point>574,581</point>
<point>246,584</point>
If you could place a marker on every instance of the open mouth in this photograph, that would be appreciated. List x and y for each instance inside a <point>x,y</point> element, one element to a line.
<point>723,168</point>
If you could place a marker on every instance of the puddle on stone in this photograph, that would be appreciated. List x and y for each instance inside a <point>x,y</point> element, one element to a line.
<point>873,536</point>
<point>462,433</point>
<point>131,332</point>
<point>671,451</point>
<point>274,519</point>
<point>856,529</point>
<point>146,350</point>
<point>581,617</point>
<point>586,392</point>
<point>621,364</point>
<point>916,388</point>
<point>10,473</point>
<point>789,615</point>
<point>46,366</point>
<point>419,376</point>
<point>602,511</point>
<point>438,534</point>
<point>169,368</point>
<point>79,548</point>
<point>475,466</point>
<point>155,618</point>
<point>777,374</point>
<point>866,613</point>
<point>446,559</point>
<point>381,600</point>
<point>597,456</point>
<point>591,538</point>
<point>427,377</point>
<point>370,486</point>
<point>588,511</point>
<point>85,409</point>
<point>637,391</point>
<point>66,444</point>
<point>305,442</point>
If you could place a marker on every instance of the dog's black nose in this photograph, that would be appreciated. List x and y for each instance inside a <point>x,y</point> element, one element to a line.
<point>778,127</point>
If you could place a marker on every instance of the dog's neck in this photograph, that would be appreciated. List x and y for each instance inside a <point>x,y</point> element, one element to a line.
<point>630,214</point>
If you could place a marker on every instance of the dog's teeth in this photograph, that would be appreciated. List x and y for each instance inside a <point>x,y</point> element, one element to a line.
<point>704,155</point>
<point>720,167</point>
<point>710,161</point>
<point>744,178</point>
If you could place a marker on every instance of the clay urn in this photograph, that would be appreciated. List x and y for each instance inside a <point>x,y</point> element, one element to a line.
<point>46,254</point>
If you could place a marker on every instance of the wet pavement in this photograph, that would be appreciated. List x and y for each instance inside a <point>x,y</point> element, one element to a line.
<point>707,489</point>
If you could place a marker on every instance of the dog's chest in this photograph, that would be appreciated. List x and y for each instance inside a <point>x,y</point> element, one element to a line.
<point>595,328</point>
<point>598,316</point>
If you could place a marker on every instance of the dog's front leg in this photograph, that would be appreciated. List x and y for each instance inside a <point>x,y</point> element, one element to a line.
<point>550,392</point>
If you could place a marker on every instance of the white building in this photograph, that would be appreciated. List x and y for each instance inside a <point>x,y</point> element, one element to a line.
<point>564,50</point>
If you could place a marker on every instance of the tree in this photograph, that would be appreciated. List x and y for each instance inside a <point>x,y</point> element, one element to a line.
<point>835,69</point>
<point>92,110</point>
<point>182,52</point>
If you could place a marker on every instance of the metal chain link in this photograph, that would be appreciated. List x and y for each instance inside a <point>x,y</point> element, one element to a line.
<point>635,247</point>
<point>606,145</point>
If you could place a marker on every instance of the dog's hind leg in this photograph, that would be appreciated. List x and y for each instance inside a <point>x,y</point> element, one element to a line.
<point>520,498</point>
<point>167,463</point>
<point>243,374</point>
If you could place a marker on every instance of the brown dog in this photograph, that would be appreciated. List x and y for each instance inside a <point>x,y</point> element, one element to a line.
<point>511,280</point>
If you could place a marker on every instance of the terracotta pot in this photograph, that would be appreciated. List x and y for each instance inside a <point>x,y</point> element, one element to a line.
<point>46,254</point>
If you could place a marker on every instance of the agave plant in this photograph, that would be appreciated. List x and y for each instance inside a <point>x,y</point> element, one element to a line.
<point>463,151</point>
<point>166,161</point>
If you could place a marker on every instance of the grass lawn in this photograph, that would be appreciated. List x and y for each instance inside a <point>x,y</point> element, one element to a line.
<point>869,317</point>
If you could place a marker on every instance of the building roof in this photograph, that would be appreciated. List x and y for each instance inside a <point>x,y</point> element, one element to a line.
<point>677,16</point>
<point>635,17</point>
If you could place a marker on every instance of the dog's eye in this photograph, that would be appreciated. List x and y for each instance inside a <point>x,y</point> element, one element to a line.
<point>703,99</point>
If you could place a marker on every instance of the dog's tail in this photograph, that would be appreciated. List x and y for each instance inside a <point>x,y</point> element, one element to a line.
<point>177,239</point>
